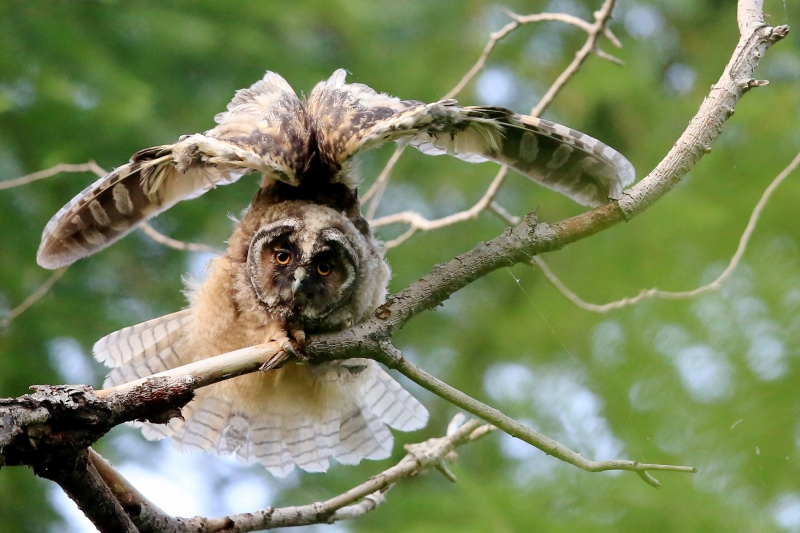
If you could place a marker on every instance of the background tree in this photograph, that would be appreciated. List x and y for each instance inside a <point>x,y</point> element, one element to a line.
<point>707,382</point>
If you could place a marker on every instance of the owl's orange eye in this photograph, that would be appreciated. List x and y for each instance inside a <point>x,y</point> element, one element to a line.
<point>283,257</point>
<point>324,268</point>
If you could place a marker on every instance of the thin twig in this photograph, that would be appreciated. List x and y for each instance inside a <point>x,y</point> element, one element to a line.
<point>395,360</point>
<point>495,37</point>
<point>33,298</point>
<point>656,293</point>
<point>417,222</point>
<point>380,184</point>
<point>601,18</point>
<point>91,166</point>
<point>504,215</point>
<point>169,242</point>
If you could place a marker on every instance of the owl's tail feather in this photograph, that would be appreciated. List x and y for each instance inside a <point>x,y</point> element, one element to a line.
<point>279,441</point>
<point>344,414</point>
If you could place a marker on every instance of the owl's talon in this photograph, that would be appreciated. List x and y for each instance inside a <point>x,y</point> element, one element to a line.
<point>300,336</point>
<point>289,349</point>
<point>275,362</point>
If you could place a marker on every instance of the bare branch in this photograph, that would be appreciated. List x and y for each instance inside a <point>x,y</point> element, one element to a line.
<point>514,428</point>
<point>516,22</point>
<point>380,184</point>
<point>417,222</point>
<point>91,166</point>
<point>204,372</point>
<point>601,18</point>
<point>169,242</point>
<point>500,211</point>
<point>33,298</point>
<point>716,108</point>
<point>351,504</point>
<point>656,293</point>
<point>83,484</point>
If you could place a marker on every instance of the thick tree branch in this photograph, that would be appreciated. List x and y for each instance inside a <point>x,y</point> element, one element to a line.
<point>83,484</point>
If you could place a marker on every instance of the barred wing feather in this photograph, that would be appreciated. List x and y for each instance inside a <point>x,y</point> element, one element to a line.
<point>558,157</point>
<point>263,130</point>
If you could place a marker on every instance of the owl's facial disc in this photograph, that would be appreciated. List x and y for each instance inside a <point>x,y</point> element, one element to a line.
<point>308,275</point>
<point>331,274</point>
<point>265,241</point>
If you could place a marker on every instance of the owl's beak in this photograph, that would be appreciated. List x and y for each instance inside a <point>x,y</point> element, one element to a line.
<point>299,275</point>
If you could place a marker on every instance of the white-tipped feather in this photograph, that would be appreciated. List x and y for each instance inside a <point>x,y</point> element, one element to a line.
<point>278,436</point>
<point>141,341</point>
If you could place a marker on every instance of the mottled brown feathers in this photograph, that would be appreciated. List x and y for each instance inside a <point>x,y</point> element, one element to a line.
<point>304,151</point>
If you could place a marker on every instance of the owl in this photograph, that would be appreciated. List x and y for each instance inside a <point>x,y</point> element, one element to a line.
<point>291,266</point>
<point>302,260</point>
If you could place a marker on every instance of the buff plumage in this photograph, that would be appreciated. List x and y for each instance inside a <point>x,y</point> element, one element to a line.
<point>302,259</point>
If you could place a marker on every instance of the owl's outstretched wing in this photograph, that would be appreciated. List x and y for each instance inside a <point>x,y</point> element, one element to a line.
<point>349,118</point>
<point>560,158</point>
<point>263,130</point>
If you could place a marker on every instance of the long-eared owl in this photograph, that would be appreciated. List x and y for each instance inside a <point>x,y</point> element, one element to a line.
<point>302,260</point>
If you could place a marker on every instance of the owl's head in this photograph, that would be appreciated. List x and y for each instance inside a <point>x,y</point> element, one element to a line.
<point>308,263</point>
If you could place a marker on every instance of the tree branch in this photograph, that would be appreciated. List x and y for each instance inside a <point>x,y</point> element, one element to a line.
<point>33,297</point>
<point>417,222</point>
<point>169,242</point>
<point>79,478</point>
<point>351,504</point>
<point>601,18</point>
<point>676,295</point>
<point>91,166</point>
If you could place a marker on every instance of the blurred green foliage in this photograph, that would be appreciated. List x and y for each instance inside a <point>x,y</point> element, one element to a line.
<point>710,382</point>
